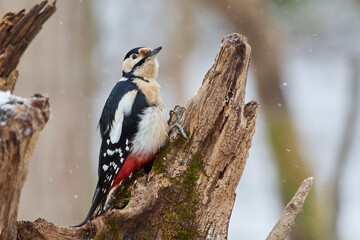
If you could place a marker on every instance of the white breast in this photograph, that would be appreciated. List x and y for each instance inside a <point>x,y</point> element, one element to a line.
<point>152,131</point>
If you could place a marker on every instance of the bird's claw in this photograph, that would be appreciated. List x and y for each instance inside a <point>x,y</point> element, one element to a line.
<point>148,179</point>
<point>174,122</point>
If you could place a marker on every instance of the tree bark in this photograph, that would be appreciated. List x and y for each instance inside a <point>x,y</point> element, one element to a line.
<point>192,184</point>
<point>21,120</point>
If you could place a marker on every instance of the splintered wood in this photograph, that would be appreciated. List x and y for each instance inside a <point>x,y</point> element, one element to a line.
<point>192,183</point>
<point>21,119</point>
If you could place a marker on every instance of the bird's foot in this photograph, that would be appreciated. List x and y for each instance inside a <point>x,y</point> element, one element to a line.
<point>148,179</point>
<point>174,121</point>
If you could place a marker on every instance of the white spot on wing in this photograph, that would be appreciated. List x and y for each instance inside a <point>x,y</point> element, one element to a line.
<point>105,167</point>
<point>109,152</point>
<point>108,141</point>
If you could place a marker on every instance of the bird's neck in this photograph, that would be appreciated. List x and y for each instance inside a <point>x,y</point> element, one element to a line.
<point>149,70</point>
<point>151,90</point>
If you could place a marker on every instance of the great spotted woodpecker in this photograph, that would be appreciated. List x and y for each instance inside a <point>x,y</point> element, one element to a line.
<point>133,124</point>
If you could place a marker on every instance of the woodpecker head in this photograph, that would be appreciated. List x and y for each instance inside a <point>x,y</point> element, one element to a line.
<point>141,62</point>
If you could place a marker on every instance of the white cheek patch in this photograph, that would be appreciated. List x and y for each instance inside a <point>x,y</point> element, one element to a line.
<point>129,63</point>
<point>124,109</point>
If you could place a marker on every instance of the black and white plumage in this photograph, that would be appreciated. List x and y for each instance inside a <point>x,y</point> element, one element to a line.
<point>133,124</point>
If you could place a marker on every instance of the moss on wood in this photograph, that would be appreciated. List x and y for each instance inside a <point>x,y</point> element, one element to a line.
<point>180,218</point>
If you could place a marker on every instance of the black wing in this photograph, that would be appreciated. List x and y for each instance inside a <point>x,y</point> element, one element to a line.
<point>111,105</point>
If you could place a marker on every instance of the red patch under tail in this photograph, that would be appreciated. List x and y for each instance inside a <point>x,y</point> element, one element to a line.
<point>131,164</point>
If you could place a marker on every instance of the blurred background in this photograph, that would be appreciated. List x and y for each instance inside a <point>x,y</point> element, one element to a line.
<point>304,72</point>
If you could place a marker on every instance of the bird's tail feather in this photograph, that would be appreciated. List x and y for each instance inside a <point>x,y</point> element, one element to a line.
<point>96,206</point>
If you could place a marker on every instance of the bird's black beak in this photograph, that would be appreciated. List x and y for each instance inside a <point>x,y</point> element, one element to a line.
<point>153,52</point>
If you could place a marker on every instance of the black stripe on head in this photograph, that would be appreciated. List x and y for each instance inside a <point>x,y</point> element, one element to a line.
<point>135,50</point>
<point>138,64</point>
<point>146,57</point>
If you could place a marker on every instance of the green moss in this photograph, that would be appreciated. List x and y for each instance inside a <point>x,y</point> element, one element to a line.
<point>123,191</point>
<point>180,217</point>
<point>144,230</point>
<point>122,195</point>
<point>178,141</point>
<point>113,229</point>
<point>192,172</point>
<point>179,220</point>
<point>100,236</point>
<point>159,165</point>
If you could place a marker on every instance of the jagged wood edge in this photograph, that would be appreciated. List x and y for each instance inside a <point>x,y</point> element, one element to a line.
<point>221,127</point>
<point>21,119</point>
<point>286,221</point>
<point>17,30</point>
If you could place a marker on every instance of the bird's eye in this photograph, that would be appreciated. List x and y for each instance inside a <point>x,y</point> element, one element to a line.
<point>134,56</point>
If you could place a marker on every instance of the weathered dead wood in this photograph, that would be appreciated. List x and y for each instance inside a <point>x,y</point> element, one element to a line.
<point>287,219</point>
<point>21,120</point>
<point>192,188</point>
<point>17,30</point>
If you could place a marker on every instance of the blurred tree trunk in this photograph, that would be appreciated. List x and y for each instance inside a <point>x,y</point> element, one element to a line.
<point>181,43</point>
<point>347,142</point>
<point>58,63</point>
<point>252,19</point>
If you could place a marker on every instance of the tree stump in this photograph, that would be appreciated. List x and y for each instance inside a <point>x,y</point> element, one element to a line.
<point>192,183</point>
